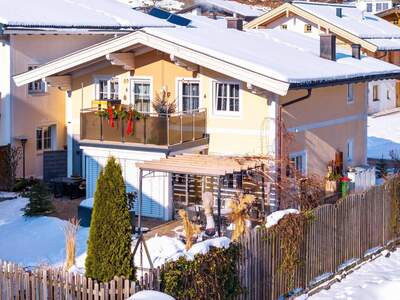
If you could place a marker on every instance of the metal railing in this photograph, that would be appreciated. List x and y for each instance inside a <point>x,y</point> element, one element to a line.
<point>151,128</point>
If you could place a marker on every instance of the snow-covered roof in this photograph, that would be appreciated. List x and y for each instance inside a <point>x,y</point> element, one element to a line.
<point>274,60</point>
<point>104,14</point>
<point>229,6</point>
<point>362,24</point>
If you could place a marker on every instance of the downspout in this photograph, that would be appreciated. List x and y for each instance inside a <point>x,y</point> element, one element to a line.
<point>280,138</point>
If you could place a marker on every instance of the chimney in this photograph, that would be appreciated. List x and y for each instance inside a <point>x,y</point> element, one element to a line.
<point>356,51</point>
<point>339,12</point>
<point>234,23</point>
<point>328,46</point>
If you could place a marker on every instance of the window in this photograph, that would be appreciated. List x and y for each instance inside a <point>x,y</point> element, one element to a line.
<point>307,28</point>
<point>36,87</point>
<point>349,150</point>
<point>388,94</point>
<point>378,7</point>
<point>385,6</point>
<point>299,161</point>
<point>227,97</point>
<point>190,95</point>
<point>375,92</point>
<point>350,93</point>
<point>44,138</point>
<point>141,91</point>
<point>395,22</point>
<point>283,26</point>
<point>369,7</point>
<point>107,89</point>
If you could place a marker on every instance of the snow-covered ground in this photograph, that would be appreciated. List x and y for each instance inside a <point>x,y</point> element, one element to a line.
<point>383,135</point>
<point>376,280</point>
<point>40,241</point>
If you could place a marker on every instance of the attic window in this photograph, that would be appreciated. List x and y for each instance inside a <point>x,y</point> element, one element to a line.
<point>375,92</point>
<point>395,22</point>
<point>307,28</point>
<point>36,87</point>
<point>283,26</point>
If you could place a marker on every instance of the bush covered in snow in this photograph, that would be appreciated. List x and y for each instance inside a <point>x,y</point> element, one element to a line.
<point>212,275</point>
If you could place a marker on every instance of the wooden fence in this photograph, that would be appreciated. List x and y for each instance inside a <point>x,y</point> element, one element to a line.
<point>48,284</point>
<point>339,234</point>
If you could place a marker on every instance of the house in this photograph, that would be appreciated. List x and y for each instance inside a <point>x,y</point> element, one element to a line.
<point>222,8</point>
<point>230,100</point>
<point>31,36</point>
<point>352,26</point>
<point>374,6</point>
<point>391,15</point>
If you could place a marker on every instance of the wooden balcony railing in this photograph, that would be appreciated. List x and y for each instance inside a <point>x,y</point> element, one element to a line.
<point>152,128</point>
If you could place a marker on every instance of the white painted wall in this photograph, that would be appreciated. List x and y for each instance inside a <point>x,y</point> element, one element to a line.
<point>387,96</point>
<point>5,102</point>
<point>296,24</point>
<point>374,6</point>
<point>156,187</point>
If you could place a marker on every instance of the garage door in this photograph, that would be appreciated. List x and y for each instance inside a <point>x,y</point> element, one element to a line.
<point>155,187</point>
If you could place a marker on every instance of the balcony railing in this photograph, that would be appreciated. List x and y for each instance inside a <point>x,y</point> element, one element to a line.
<point>152,128</point>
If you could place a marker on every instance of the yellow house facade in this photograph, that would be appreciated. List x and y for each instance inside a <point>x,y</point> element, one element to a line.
<point>226,105</point>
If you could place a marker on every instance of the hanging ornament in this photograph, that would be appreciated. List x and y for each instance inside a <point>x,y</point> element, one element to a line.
<point>111,116</point>
<point>129,129</point>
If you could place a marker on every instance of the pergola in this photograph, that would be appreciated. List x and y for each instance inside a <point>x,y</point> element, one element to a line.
<point>199,165</point>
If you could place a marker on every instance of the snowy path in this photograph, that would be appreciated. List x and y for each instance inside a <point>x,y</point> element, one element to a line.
<point>376,280</point>
<point>383,135</point>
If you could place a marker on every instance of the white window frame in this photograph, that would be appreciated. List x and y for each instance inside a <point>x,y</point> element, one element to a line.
<point>284,27</point>
<point>215,102</point>
<point>179,89</point>
<point>52,137</point>
<point>141,79</point>
<point>369,7</point>
<point>306,26</point>
<point>350,93</point>
<point>43,85</point>
<point>108,78</point>
<point>303,154</point>
<point>350,150</point>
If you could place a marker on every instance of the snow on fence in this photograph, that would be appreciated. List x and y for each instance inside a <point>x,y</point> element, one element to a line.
<point>340,233</point>
<point>48,284</point>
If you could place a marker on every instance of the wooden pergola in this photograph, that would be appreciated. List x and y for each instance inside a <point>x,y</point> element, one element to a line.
<point>199,165</point>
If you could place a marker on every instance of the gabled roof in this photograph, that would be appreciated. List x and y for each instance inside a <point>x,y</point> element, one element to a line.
<point>229,6</point>
<point>388,12</point>
<point>266,61</point>
<point>73,14</point>
<point>355,25</point>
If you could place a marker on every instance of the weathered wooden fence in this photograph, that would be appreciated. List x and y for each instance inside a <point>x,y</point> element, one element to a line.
<point>339,234</point>
<point>42,284</point>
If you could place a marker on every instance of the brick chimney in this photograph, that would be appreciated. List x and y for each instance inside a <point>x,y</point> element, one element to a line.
<point>234,23</point>
<point>328,46</point>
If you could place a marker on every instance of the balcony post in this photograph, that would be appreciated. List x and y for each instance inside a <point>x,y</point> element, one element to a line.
<point>181,128</point>
<point>144,130</point>
<point>168,129</point>
<point>193,125</point>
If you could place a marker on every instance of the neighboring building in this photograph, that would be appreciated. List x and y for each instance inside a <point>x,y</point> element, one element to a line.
<point>31,36</point>
<point>352,26</point>
<point>230,100</point>
<point>222,8</point>
<point>391,15</point>
<point>374,6</point>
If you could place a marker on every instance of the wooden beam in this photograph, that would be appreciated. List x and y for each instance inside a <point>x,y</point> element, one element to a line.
<point>125,59</point>
<point>61,82</point>
<point>184,64</point>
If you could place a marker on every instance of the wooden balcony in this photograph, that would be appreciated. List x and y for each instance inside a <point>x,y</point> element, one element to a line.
<point>162,130</point>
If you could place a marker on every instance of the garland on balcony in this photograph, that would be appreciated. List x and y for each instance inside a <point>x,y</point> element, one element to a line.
<point>112,114</point>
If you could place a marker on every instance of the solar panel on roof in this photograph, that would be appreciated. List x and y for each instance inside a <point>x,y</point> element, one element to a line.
<point>178,20</point>
<point>171,18</point>
<point>159,13</point>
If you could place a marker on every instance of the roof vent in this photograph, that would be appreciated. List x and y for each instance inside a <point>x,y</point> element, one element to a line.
<point>339,12</point>
<point>234,23</point>
<point>356,51</point>
<point>328,46</point>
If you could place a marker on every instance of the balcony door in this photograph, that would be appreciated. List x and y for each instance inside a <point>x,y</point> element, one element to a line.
<point>189,95</point>
<point>141,92</point>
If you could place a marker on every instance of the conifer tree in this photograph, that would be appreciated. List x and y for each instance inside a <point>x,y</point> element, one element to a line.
<point>109,245</point>
<point>39,200</point>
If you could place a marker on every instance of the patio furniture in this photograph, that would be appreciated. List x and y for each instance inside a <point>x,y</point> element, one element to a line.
<point>74,187</point>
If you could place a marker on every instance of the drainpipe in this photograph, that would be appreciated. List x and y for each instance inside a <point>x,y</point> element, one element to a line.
<point>280,139</point>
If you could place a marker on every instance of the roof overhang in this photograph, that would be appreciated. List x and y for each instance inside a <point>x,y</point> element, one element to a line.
<point>287,9</point>
<point>96,52</point>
